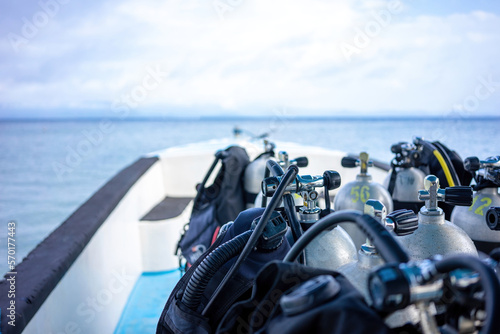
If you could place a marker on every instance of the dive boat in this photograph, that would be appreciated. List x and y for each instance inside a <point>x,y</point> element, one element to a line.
<point>110,267</point>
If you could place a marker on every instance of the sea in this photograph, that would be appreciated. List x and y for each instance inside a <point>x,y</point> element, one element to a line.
<point>48,168</point>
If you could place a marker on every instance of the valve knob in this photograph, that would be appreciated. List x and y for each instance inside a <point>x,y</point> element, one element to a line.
<point>459,195</point>
<point>301,162</point>
<point>398,148</point>
<point>472,164</point>
<point>389,288</point>
<point>269,186</point>
<point>349,162</point>
<point>493,218</point>
<point>405,221</point>
<point>332,179</point>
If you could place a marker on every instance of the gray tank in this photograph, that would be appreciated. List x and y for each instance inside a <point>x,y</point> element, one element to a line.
<point>405,180</point>
<point>435,235</point>
<point>354,195</point>
<point>472,219</point>
<point>407,184</point>
<point>330,250</point>
<point>255,172</point>
<point>368,258</point>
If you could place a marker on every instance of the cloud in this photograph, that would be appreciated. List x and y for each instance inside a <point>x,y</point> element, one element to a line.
<point>261,54</point>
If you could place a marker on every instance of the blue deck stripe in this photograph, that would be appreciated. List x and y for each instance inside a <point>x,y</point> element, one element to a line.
<point>146,302</point>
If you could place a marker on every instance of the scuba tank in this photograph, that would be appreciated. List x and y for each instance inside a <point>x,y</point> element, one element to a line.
<point>462,290</point>
<point>472,219</point>
<point>257,170</point>
<point>355,194</point>
<point>432,158</point>
<point>332,248</point>
<point>400,222</point>
<point>291,298</point>
<point>405,179</point>
<point>435,235</point>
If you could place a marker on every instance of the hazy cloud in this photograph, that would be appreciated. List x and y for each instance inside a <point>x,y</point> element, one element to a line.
<point>256,55</point>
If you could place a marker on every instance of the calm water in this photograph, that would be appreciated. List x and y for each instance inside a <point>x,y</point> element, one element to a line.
<point>43,180</point>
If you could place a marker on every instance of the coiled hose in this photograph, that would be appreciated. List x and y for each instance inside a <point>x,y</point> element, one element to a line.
<point>209,266</point>
<point>489,281</point>
<point>290,175</point>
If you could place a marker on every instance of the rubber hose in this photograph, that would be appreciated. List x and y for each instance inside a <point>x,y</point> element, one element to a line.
<point>385,243</point>
<point>209,266</point>
<point>445,163</point>
<point>489,281</point>
<point>289,205</point>
<point>264,198</point>
<point>495,254</point>
<point>290,175</point>
<point>447,158</point>
<point>275,168</point>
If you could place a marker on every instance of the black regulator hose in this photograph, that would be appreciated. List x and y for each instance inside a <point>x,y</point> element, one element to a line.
<point>444,161</point>
<point>274,167</point>
<point>495,254</point>
<point>489,281</point>
<point>209,266</point>
<point>385,243</point>
<point>290,175</point>
<point>289,206</point>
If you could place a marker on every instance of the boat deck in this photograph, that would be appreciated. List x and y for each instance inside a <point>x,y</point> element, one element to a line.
<point>146,302</point>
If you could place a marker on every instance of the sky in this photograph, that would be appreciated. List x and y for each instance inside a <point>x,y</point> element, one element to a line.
<point>175,58</point>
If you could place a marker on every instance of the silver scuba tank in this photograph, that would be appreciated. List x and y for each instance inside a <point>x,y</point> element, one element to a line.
<point>331,249</point>
<point>256,171</point>
<point>435,235</point>
<point>401,222</point>
<point>354,195</point>
<point>472,219</point>
<point>404,179</point>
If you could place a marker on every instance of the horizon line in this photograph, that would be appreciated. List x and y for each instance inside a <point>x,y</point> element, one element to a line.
<point>246,118</point>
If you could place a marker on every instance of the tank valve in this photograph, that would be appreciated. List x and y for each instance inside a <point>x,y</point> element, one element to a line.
<point>472,164</point>
<point>285,161</point>
<point>350,162</point>
<point>302,183</point>
<point>484,170</point>
<point>459,195</point>
<point>493,218</point>
<point>403,221</point>
<point>331,179</point>
<point>377,210</point>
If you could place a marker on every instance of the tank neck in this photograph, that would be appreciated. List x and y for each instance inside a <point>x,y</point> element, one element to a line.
<point>430,217</point>
<point>363,177</point>
<point>369,259</point>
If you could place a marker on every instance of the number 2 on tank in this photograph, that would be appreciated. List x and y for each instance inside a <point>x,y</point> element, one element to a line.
<point>479,210</point>
<point>357,194</point>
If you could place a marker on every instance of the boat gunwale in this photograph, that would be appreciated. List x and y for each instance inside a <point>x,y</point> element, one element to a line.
<point>42,269</point>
